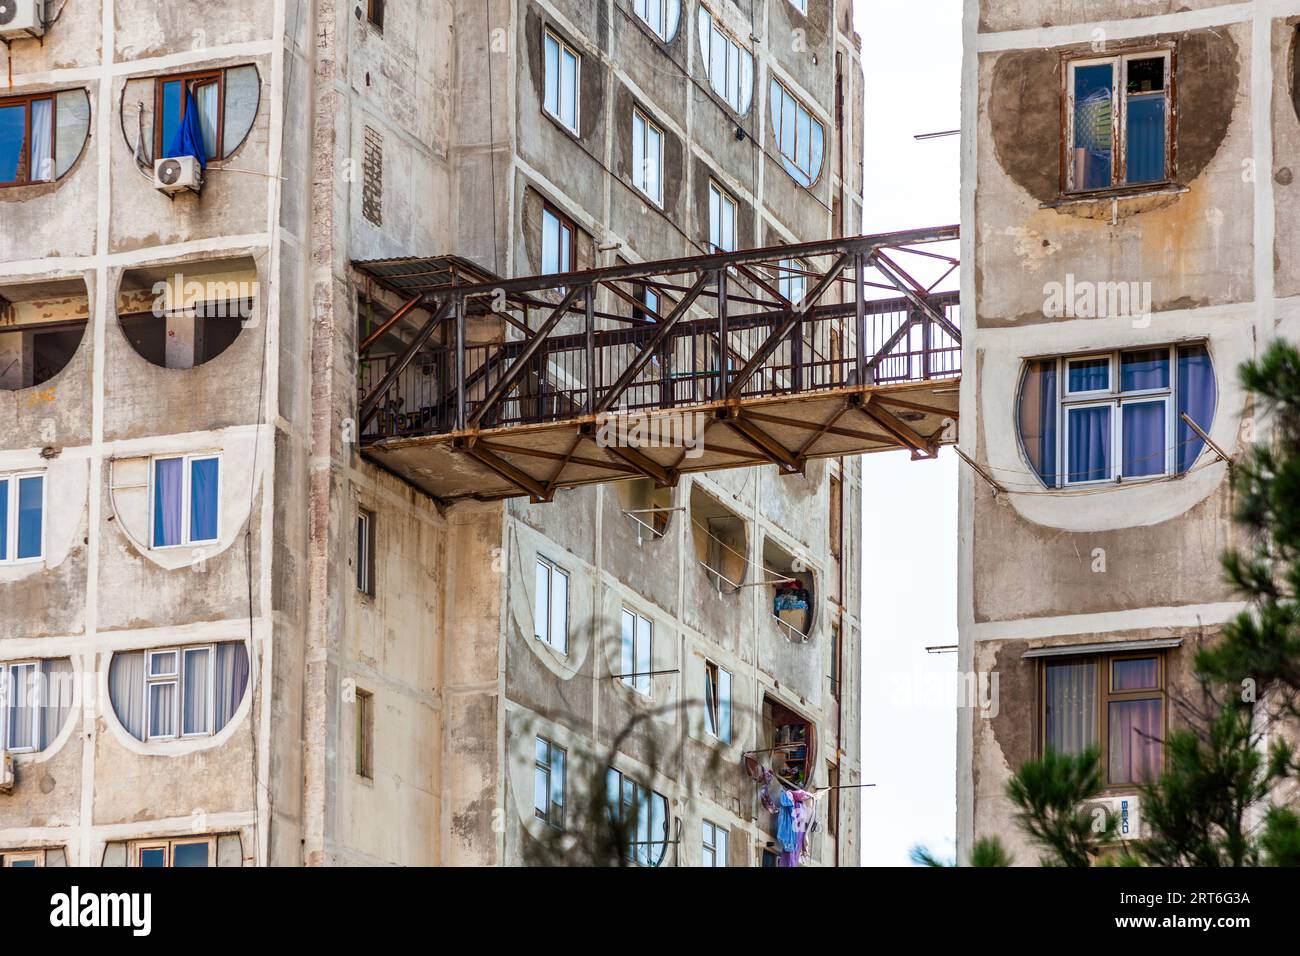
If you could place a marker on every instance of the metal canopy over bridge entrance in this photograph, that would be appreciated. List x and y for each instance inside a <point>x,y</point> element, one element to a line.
<point>478,387</point>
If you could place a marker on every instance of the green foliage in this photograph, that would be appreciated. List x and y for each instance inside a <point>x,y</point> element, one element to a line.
<point>1049,794</point>
<point>1196,812</point>
<point>1261,646</point>
<point>1280,840</point>
<point>986,851</point>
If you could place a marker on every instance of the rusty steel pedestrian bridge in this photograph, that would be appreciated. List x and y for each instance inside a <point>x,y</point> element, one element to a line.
<point>470,386</point>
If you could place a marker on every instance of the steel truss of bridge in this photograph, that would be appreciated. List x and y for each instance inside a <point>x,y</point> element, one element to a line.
<point>472,386</point>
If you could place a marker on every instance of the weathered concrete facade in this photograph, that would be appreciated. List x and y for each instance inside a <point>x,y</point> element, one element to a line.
<point>356,142</point>
<point>1045,563</point>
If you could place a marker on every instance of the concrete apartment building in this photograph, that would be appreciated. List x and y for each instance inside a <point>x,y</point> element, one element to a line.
<point>1127,173</point>
<point>253,645</point>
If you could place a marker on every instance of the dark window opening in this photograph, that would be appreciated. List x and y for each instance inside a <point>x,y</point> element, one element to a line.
<point>187,338</point>
<point>792,741</point>
<point>376,13</point>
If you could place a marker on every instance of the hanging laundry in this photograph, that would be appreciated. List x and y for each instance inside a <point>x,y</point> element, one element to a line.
<point>188,140</point>
<point>787,834</point>
<point>791,599</point>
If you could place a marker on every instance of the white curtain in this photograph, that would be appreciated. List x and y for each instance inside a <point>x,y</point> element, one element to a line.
<point>196,702</point>
<point>207,98</point>
<point>56,700</point>
<point>231,681</point>
<point>126,690</point>
<point>1071,693</point>
<point>42,168</point>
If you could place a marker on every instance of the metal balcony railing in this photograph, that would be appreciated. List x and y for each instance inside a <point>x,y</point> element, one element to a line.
<point>699,332</point>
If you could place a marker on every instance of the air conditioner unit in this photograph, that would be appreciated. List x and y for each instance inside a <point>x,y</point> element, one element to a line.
<point>177,173</point>
<point>22,18</point>
<point>1125,811</point>
<point>6,766</point>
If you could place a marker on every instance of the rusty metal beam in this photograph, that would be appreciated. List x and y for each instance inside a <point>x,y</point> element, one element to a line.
<point>644,464</point>
<point>769,446</point>
<point>387,324</point>
<point>507,381</point>
<point>371,402</point>
<point>518,478</point>
<point>662,331</point>
<point>905,434</point>
<point>773,341</point>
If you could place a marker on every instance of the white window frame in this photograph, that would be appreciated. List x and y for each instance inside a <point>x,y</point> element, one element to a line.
<point>1114,398</point>
<point>642,129</point>
<point>645,9</point>
<point>566,231</point>
<point>187,476</point>
<point>1119,112</point>
<point>713,840</point>
<point>800,5</point>
<point>547,770</point>
<point>6,675</point>
<point>778,130</point>
<point>642,683</point>
<point>14,481</point>
<point>542,615</point>
<point>718,684</point>
<point>177,678</point>
<point>169,849</point>
<point>563,49</point>
<point>720,201</point>
<point>790,283</point>
<point>736,56</point>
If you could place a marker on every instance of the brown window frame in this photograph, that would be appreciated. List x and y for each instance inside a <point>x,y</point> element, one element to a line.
<point>1105,695</point>
<point>365,730</point>
<point>375,14</point>
<point>1119,124</point>
<point>27,100</point>
<point>186,79</point>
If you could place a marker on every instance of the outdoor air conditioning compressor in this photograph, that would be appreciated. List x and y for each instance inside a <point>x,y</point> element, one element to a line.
<point>6,772</point>
<point>1126,811</point>
<point>22,18</point>
<point>177,173</point>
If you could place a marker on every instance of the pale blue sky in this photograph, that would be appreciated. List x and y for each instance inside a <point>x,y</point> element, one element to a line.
<point>911,55</point>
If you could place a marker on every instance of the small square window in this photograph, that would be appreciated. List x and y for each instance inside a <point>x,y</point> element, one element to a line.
<point>186,500</point>
<point>22,518</point>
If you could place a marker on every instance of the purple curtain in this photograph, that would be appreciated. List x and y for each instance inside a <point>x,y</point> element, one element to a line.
<point>231,682</point>
<point>168,496</point>
<point>1089,438</point>
<point>1144,439</point>
<point>1135,740</point>
<point>1038,419</point>
<point>1196,397</point>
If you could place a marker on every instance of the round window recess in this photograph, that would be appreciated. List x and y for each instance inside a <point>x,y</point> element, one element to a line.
<point>42,136</point>
<point>43,700</point>
<point>647,507</point>
<point>791,589</point>
<point>721,542</point>
<point>42,325</point>
<point>1110,417</point>
<point>172,692</point>
<point>184,315</point>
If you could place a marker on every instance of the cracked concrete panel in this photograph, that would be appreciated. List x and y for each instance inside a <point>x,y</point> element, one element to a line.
<point>1026,570</point>
<point>1183,249</point>
<point>1000,15</point>
<point>1286,156</point>
<point>146,30</point>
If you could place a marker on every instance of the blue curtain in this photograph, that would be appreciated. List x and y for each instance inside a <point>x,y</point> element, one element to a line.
<point>4,520</point>
<point>1196,397</point>
<point>188,140</point>
<point>1092,375</point>
<point>1038,419</point>
<point>1144,370</point>
<point>1146,138</point>
<point>30,518</point>
<point>204,486</point>
<point>1089,438</point>
<point>167,501</point>
<point>1144,439</point>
